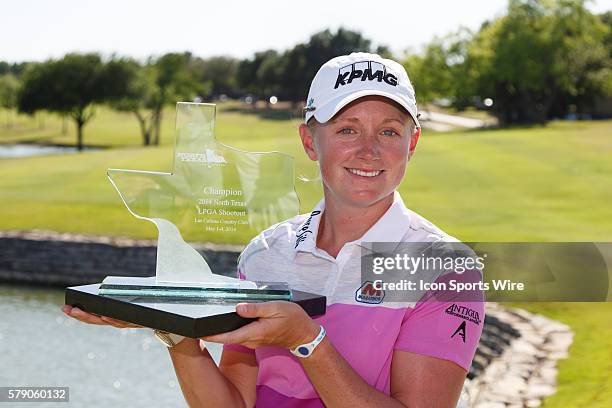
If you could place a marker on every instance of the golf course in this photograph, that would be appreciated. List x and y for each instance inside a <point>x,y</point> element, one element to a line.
<point>548,183</point>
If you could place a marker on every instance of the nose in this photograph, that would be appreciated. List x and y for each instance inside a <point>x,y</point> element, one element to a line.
<point>369,147</point>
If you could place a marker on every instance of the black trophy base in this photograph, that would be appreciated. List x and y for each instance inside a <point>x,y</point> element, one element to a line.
<point>185,317</point>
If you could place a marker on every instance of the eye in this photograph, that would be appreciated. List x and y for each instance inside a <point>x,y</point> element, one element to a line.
<point>390,132</point>
<point>346,131</point>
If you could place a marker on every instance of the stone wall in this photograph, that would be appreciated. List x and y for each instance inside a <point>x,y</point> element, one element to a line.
<point>48,258</point>
<point>525,371</point>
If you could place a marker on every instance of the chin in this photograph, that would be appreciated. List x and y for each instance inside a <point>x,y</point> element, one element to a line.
<point>366,199</point>
<point>357,196</point>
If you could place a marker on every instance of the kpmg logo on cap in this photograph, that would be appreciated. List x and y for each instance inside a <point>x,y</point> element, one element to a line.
<point>365,71</point>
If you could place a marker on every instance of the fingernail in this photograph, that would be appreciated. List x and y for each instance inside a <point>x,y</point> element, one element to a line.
<point>66,309</point>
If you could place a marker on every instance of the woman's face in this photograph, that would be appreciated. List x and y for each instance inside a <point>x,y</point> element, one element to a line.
<point>362,151</point>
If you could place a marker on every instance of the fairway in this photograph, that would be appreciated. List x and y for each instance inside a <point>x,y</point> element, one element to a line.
<point>550,183</point>
<point>538,184</point>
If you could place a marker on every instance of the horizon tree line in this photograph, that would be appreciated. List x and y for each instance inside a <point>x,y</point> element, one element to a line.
<point>542,59</point>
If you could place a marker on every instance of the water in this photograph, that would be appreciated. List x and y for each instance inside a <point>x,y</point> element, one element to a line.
<point>103,366</point>
<point>26,150</point>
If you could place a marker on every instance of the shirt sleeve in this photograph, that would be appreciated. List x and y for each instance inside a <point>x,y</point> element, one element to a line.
<point>447,324</point>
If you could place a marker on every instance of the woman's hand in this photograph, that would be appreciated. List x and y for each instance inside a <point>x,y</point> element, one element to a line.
<point>91,318</point>
<point>279,323</point>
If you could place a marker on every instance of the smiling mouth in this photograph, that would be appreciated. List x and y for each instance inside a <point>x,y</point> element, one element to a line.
<point>362,173</point>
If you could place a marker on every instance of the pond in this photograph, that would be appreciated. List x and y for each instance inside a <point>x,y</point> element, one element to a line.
<point>103,366</point>
<point>8,151</point>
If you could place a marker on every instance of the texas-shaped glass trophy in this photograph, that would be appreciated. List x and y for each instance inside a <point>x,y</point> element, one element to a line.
<point>214,193</point>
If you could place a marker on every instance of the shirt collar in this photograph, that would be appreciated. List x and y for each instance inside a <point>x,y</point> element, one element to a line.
<point>306,235</point>
<point>391,227</point>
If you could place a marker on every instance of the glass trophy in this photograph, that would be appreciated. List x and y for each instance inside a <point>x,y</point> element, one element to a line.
<point>213,193</point>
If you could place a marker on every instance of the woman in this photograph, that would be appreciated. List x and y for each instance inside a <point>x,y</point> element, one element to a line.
<point>361,127</point>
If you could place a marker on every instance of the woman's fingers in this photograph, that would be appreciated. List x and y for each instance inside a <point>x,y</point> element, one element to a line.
<point>91,318</point>
<point>118,323</point>
<point>82,316</point>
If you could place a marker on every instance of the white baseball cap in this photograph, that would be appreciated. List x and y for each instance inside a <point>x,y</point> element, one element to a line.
<point>343,79</point>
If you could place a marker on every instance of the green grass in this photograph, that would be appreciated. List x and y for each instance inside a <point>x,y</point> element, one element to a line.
<point>550,183</point>
<point>537,184</point>
<point>70,193</point>
<point>585,378</point>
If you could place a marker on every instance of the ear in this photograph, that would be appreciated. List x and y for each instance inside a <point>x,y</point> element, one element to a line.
<point>414,139</point>
<point>308,141</point>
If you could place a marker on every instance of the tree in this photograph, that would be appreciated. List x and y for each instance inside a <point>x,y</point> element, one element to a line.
<point>138,95</point>
<point>216,76</point>
<point>150,88</point>
<point>435,73</point>
<point>71,86</point>
<point>261,74</point>
<point>300,64</point>
<point>288,74</point>
<point>606,19</point>
<point>539,59</point>
<point>8,94</point>
<point>510,55</point>
<point>583,65</point>
<point>15,68</point>
<point>173,80</point>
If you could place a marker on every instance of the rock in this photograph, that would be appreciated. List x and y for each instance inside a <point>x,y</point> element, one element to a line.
<point>525,372</point>
<point>539,391</point>
<point>559,342</point>
<point>522,370</point>
<point>509,386</point>
<point>548,375</point>
<point>558,355</point>
<point>490,405</point>
<point>542,323</point>
<point>533,338</point>
<point>524,347</point>
<point>516,357</point>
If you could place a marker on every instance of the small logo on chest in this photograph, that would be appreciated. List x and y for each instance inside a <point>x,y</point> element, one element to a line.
<point>367,293</point>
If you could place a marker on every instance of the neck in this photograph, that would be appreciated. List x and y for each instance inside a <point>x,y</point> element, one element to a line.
<point>342,223</point>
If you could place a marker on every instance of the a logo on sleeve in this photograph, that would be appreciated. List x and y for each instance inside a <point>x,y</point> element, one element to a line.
<point>367,293</point>
<point>460,331</point>
<point>464,313</point>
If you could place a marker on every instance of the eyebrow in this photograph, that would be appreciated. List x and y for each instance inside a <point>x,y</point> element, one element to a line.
<point>356,119</point>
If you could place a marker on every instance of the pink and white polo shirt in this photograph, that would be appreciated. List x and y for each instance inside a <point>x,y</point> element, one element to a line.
<point>365,334</point>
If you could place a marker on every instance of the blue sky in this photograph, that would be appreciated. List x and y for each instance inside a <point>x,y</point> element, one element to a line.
<point>37,29</point>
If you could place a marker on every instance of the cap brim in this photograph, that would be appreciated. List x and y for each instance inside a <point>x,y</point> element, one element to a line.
<point>324,113</point>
